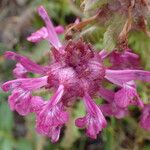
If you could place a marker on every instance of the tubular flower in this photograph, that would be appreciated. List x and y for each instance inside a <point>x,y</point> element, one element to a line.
<point>124,59</point>
<point>94,121</point>
<point>20,99</point>
<point>51,117</point>
<point>128,96</point>
<point>76,71</point>
<point>111,108</point>
<point>42,34</point>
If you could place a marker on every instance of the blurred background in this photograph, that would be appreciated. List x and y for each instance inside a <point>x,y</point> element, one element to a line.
<point>18,19</point>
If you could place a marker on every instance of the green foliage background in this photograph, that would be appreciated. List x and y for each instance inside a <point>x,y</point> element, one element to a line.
<point>17,133</point>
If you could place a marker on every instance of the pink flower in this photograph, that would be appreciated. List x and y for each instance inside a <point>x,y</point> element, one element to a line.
<point>51,117</point>
<point>37,103</point>
<point>42,34</point>
<point>110,108</point>
<point>76,71</point>
<point>145,117</point>
<point>128,96</point>
<point>26,63</point>
<point>121,77</point>
<point>52,35</point>
<point>94,121</point>
<point>124,60</point>
<point>20,101</point>
<point>20,98</point>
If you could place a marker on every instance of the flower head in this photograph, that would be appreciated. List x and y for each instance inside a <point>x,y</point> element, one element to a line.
<point>77,71</point>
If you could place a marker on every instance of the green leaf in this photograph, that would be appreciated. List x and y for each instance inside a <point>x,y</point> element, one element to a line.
<point>6,117</point>
<point>6,145</point>
<point>111,35</point>
<point>109,136</point>
<point>109,40</point>
<point>146,147</point>
<point>24,144</point>
<point>93,4</point>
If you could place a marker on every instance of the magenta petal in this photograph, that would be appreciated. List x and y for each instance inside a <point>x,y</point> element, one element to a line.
<point>103,54</point>
<point>55,134</point>
<point>127,96</point>
<point>25,83</point>
<point>29,65</point>
<point>20,101</point>
<point>49,120</point>
<point>94,120</point>
<point>80,122</point>
<point>57,96</point>
<point>106,94</point>
<point>52,36</point>
<point>120,77</point>
<point>59,29</point>
<point>42,34</point>
<point>145,117</point>
<point>39,35</point>
<point>113,110</point>
<point>20,71</point>
<point>92,130</point>
<point>122,97</point>
<point>37,103</point>
<point>124,60</point>
<point>52,116</point>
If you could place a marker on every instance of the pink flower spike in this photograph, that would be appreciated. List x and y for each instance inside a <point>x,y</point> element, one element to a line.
<point>127,96</point>
<point>94,121</point>
<point>145,117</point>
<point>120,77</point>
<point>51,117</point>
<point>52,36</point>
<point>29,65</point>
<point>20,71</point>
<point>25,83</point>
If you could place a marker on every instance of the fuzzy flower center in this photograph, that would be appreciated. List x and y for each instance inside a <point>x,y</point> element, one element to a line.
<point>78,68</point>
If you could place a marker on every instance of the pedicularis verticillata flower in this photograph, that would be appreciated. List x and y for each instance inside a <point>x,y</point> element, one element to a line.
<point>77,71</point>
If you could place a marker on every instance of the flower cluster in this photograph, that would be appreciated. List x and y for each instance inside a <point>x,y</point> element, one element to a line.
<point>77,71</point>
